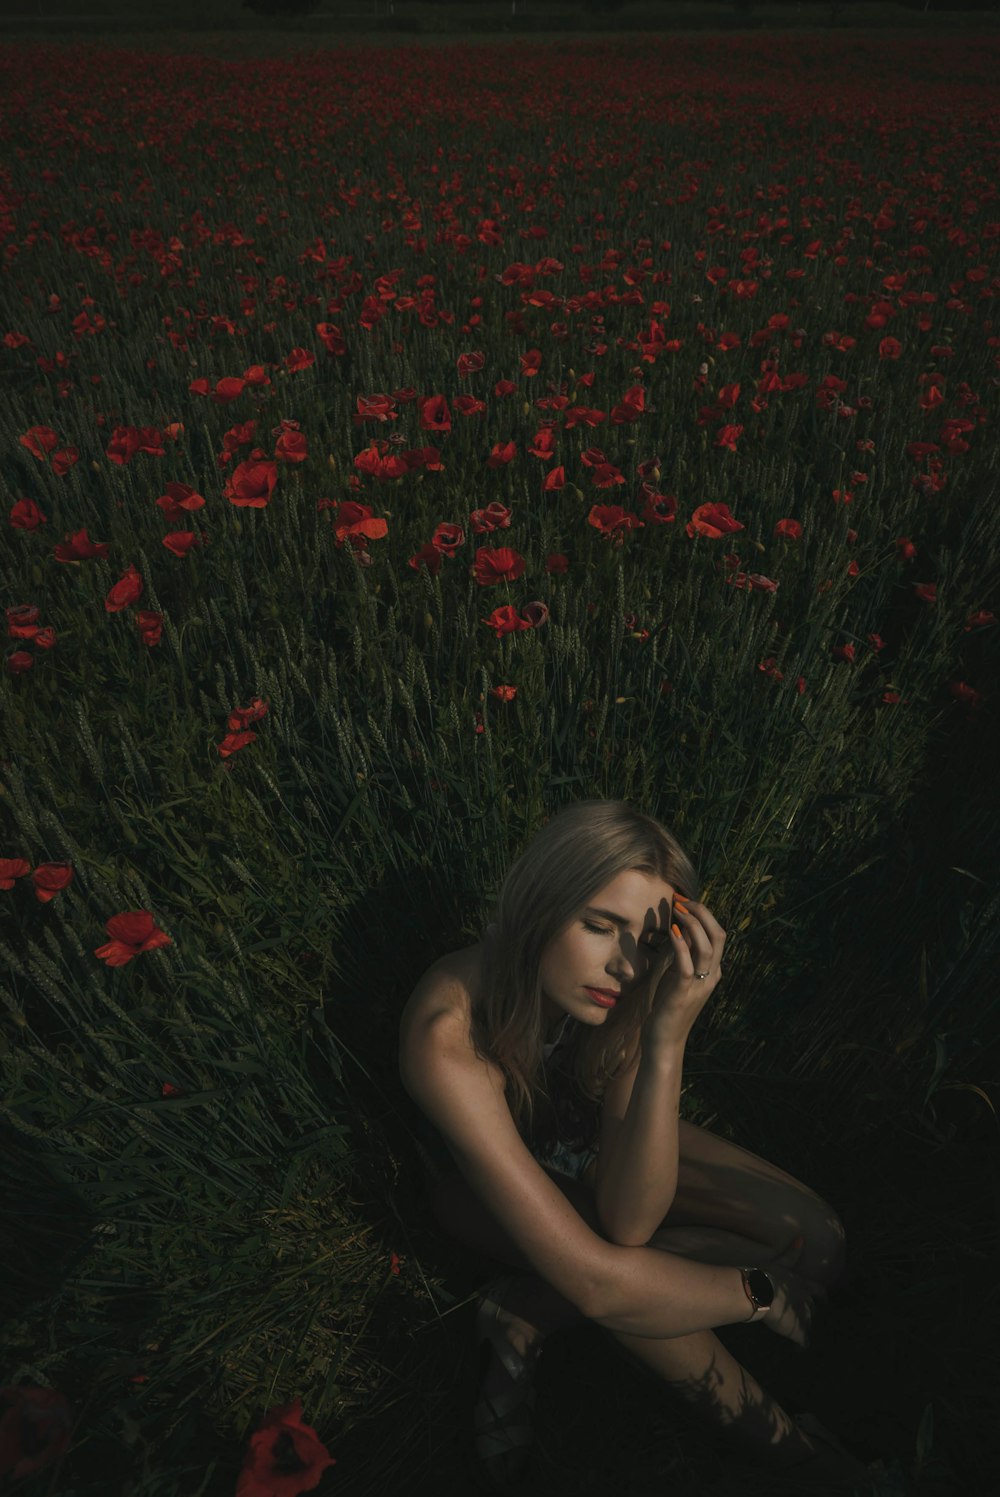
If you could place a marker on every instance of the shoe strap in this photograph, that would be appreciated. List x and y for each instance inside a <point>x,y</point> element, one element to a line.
<point>519,1367</point>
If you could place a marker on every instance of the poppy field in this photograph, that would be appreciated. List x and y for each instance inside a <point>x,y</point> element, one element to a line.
<point>396,444</point>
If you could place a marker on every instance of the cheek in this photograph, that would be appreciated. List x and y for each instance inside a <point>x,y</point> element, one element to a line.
<point>571,955</point>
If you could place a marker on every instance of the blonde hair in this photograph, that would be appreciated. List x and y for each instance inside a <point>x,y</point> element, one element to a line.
<point>577,853</point>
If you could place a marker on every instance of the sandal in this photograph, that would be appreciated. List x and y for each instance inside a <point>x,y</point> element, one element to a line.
<point>504,1429</point>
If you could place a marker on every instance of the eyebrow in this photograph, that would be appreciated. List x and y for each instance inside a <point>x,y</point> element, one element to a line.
<point>618,919</point>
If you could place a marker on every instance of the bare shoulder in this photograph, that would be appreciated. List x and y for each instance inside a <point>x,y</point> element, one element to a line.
<point>438,1013</point>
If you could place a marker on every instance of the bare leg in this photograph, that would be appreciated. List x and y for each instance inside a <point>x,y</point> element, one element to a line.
<point>697,1367</point>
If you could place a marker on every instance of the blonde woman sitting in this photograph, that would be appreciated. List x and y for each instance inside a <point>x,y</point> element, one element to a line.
<point>545,1063</point>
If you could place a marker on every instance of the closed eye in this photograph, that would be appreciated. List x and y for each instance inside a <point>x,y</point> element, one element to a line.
<point>599,930</point>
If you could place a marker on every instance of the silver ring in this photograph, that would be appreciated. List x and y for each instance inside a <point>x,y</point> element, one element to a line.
<point>701,974</point>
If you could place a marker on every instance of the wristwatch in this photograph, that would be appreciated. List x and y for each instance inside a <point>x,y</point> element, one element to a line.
<point>759,1289</point>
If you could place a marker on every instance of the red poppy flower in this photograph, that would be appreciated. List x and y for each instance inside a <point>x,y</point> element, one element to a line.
<point>35,1429</point>
<point>505,620</point>
<point>728,436</point>
<point>495,516</point>
<point>227,389</point>
<point>180,542</point>
<point>469,405</point>
<point>299,358</point>
<point>332,338</point>
<point>657,509</point>
<point>26,515</point>
<point>291,447</point>
<point>447,538</point>
<point>150,626</point>
<point>356,523</point>
<point>380,408</point>
<point>632,406</point>
<point>22,621</point>
<point>132,932</point>
<point>428,556</point>
<point>501,565</point>
<point>252,484</point>
<point>12,868</point>
<point>179,499</point>
<point>40,441</point>
<point>379,463</point>
<point>79,547</point>
<point>126,441</point>
<point>501,454</point>
<point>242,717</point>
<point>535,614</point>
<point>606,475</point>
<point>125,592</point>
<point>543,444</point>
<point>286,1456</point>
<point>714,520</point>
<point>50,878</point>
<point>434,414</point>
<point>613,521</point>
<point>233,742</point>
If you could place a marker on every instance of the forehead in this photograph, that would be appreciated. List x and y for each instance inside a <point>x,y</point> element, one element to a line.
<point>639,897</point>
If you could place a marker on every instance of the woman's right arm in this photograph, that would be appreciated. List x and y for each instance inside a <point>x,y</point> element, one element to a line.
<point>634,1289</point>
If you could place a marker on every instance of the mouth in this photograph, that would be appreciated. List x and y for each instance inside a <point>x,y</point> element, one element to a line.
<point>606,997</point>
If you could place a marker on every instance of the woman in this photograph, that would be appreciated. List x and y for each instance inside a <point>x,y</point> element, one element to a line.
<point>546,1065</point>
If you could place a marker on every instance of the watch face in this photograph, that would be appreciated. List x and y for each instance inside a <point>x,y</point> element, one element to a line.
<point>763,1289</point>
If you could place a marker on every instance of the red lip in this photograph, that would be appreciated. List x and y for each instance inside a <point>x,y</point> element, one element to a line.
<point>607,992</point>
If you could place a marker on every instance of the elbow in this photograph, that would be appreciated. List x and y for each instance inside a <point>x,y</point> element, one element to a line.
<point>613,1234</point>
<point>632,1239</point>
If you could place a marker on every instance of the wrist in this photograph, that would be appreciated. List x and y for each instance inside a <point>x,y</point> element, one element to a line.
<point>758,1287</point>
<point>660,1037</point>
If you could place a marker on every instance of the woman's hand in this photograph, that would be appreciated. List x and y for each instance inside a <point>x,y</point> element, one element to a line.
<point>696,943</point>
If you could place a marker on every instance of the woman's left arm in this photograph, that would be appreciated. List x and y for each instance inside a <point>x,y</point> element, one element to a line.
<point>636,1186</point>
<point>637,1166</point>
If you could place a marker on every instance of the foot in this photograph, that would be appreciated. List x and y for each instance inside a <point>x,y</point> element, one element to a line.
<point>522,1337</point>
<point>504,1412</point>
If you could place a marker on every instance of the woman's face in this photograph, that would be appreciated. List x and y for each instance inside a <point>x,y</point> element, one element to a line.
<point>596,951</point>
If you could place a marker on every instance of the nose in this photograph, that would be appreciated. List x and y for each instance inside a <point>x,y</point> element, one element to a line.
<point>632,969</point>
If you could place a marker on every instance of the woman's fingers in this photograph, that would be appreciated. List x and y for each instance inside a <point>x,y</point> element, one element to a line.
<point>704,915</point>
<point>700,939</point>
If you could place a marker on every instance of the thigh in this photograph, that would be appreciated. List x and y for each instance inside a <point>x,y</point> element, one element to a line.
<point>720,1184</point>
<point>463,1215</point>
